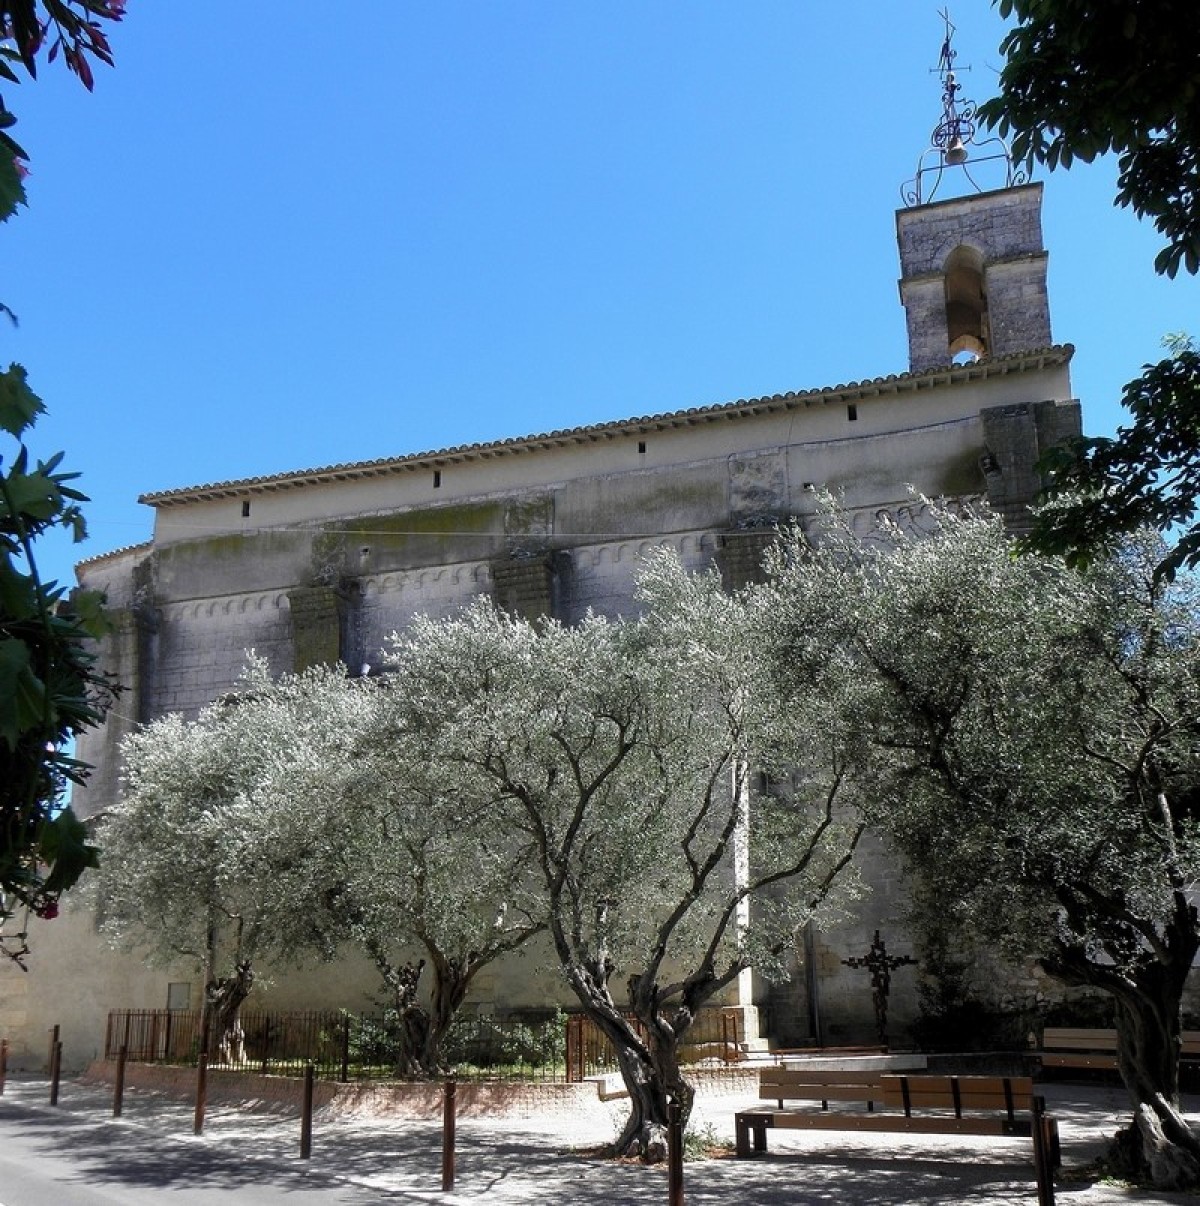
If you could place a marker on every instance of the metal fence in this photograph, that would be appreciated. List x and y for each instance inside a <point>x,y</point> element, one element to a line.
<point>342,1046</point>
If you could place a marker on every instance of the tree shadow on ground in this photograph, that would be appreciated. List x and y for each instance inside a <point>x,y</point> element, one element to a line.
<point>356,1162</point>
<point>108,1153</point>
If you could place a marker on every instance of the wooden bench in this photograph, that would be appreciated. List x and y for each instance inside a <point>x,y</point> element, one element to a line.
<point>914,1104</point>
<point>1063,1047</point>
<point>863,1087</point>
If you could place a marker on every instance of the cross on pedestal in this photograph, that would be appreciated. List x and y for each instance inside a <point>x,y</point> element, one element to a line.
<point>881,965</point>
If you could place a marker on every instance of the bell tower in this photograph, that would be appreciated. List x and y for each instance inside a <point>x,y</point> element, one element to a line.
<point>973,267</point>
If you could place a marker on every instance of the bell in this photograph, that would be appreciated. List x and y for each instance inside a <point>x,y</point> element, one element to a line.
<point>956,152</point>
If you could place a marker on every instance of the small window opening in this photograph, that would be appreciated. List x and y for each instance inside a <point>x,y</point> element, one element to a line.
<point>179,996</point>
<point>641,445</point>
<point>437,479</point>
<point>246,509</point>
<point>852,412</point>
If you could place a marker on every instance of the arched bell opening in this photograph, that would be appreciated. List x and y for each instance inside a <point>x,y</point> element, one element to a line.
<point>966,305</point>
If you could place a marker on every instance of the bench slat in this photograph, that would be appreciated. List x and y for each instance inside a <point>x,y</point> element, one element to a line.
<point>1079,1040</point>
<point>959,1093</point>
<point>927,1125</point>
<point>1059,1040</point>
<point>1054,1059</point>
<point>801,1077</point>
<point>858,1093</point>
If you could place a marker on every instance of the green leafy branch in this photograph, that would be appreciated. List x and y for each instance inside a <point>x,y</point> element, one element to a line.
<point>50,688</point>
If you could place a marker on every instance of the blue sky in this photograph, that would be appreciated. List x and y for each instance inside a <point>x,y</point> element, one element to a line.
<point>285,235</point>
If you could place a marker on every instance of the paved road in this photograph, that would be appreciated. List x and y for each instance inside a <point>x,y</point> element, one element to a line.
<point>76,1155</point>
<point>67,1158</point>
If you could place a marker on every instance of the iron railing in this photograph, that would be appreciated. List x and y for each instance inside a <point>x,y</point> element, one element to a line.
<point>342,1046</point>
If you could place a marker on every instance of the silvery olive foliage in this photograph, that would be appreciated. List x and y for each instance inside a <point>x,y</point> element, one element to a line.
<point>633,787</point>
<point>291,819</point>
<point>1035,751</point>
<point>210,854</point>
<point>626,755</point>
<point>421,875</point>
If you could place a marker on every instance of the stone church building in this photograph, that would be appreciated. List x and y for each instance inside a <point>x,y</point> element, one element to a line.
<point>322,564</point>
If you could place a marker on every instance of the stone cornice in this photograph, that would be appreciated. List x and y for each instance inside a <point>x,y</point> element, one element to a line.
<point>896,383</point>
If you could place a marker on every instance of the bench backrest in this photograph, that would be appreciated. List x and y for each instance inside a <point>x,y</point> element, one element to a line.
<point>1063,1038</point>
<point>1060,1038</point>
<point>962,1094</point>
<point>799,1084</point>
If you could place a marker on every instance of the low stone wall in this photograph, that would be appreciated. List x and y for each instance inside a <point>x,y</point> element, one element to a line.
<point>484,1099</point>
<point>247,1089</point>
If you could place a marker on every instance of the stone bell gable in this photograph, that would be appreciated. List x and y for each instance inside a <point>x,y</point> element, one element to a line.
<point>973,276</point>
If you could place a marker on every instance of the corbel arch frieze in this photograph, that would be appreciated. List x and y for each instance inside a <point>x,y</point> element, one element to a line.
<point>206,609</point>
<point>474,576</point>
<point>690,546</point>
<point>911,517</point>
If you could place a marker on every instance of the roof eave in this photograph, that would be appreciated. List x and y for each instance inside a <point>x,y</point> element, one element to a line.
<point>896,383</point>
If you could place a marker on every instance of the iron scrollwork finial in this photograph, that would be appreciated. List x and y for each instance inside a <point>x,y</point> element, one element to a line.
<point>953,141</point>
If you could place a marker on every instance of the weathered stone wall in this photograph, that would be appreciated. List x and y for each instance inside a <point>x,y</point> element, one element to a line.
<point>1004,230</point>
<point>73,980</point>
<point>202,645</point>
<point>843,1012</point>
<point>1015,438</point>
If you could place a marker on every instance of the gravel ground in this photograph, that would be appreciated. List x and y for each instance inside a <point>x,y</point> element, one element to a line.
<point>503,1161</point>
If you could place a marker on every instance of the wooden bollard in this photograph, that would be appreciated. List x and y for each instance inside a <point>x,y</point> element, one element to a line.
<point>449,1107</point>
<point>1044,1156</point>
<point>55,1072</point>
<point>674,1155</point>
<point>119,1083</point>
<point>50,1052</point>
<point>306,1112</point>
<point>201,1092</point>
<point>3,1064</point>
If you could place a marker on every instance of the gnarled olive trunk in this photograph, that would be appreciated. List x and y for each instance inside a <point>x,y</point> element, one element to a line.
<point>223,998</point>
<point>1158,1146</point>
<point>421,1031</point>
<point>410,1031</point>
<point>654,1080</point>
<point>647,1051</point>
<point>451,979</point>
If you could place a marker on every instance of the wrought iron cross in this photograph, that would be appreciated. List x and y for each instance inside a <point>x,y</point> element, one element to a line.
<point>881,965</point>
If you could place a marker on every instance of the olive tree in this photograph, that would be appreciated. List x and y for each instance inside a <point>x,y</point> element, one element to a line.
<point>205,858</point>
<point>420,876</point>
<point>1036,737</point>
<point>623,752</point>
